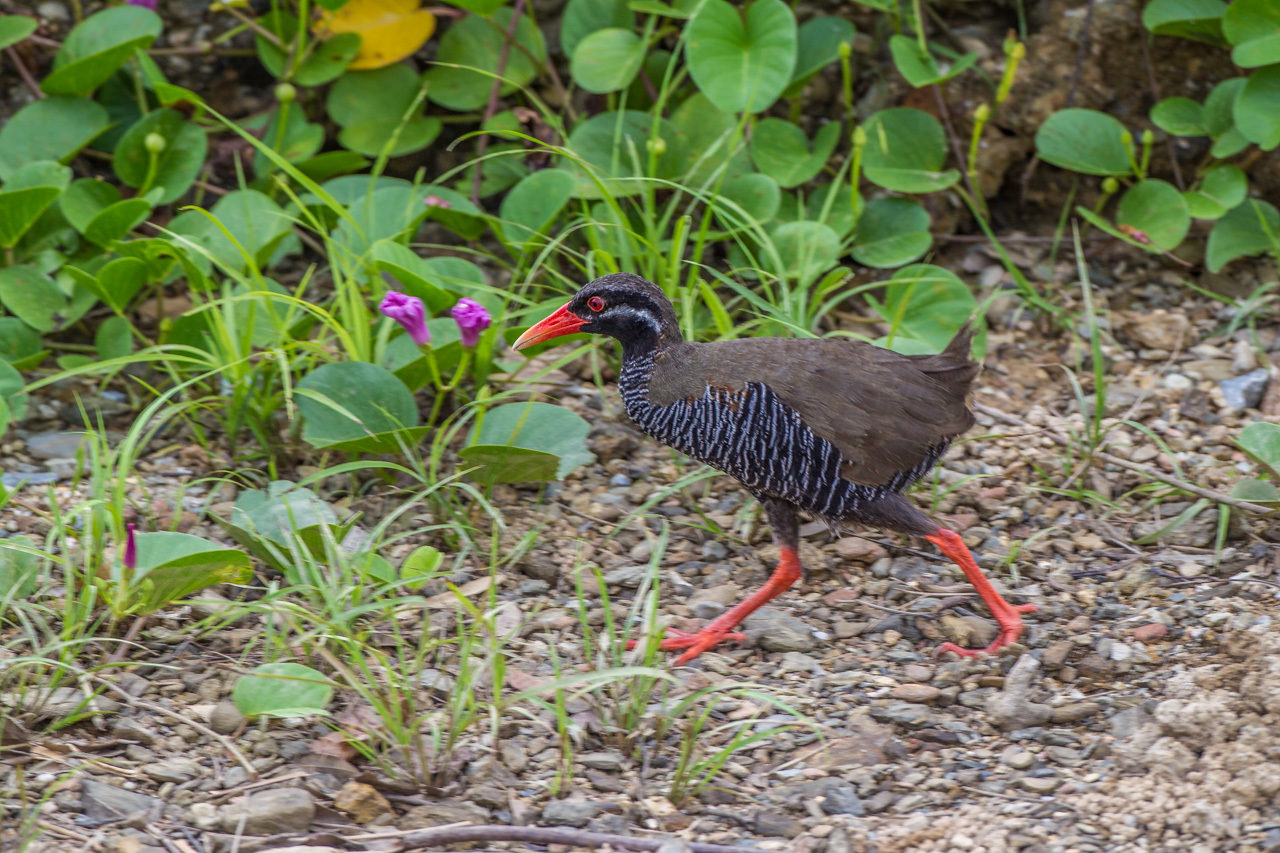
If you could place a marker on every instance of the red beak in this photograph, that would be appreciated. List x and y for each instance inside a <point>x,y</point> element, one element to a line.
<point>560,323</point>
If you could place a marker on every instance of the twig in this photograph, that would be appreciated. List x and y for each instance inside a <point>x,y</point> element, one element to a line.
<point>547,835</point>
<point>491,108</point>
<point>957,147</point>
<point>132,701</point>
<point>24,73</point>
<point>1144,470</point>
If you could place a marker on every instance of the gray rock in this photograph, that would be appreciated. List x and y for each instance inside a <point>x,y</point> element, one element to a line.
<point>176,769</point>
<point>1125,723</point>
<point>777,825</point>
<point>608,761</point>
<point>55,445</point>
<point>843,799</point>
<point>58,702</point>
<point>908,714</point>
<point>127,728</point>
<point>442,812</point>
<point>1041,784</point>
<point>775,631</point>
<point>1011,709</point>
<point>570,812</point>
<point>14,479</point>
<point>1245,392</point>
<point>107,802</point>
<point>436,682</point>
<point>707,609</point>
<point>225,718</point>
<point>270,812</point>
<point>878,802</point>
<point>627,576</point>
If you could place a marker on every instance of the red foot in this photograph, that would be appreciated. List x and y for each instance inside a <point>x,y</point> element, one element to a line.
<point>1010,630</point>
<point>695,644</point>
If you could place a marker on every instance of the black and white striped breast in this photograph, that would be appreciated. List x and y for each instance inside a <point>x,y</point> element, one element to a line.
<point>753,436</point>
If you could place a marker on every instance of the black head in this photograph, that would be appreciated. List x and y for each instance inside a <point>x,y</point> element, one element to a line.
<point>623,306</point>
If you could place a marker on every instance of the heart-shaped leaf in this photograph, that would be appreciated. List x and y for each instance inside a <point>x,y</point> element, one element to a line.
<point>1261,440</point>
<point>49,129</point>
<point>781,151</point>
<point>891,232</point>
<point>1250,229</point>
<point>117,220</point>
<point>614,145</point>
<point>757,196</point>
<point>817,45</point>
<point>1221,189</point>
<point>742,62</point>
<point>172,566</point>
<point>1257,107</point>
<point>253,220</point>
<point>905,151</point>
<point>476,42</point>
<point>527,442</point>
<point>356,406</point>
<point>607,60</point>
<point>1084,141</point>
<point>282,690</point>
<point>1198,20</point>
<point>1156,209</point>
<point>709,138</point>
<point>583,17</point>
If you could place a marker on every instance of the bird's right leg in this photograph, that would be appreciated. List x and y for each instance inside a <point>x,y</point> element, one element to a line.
<point>786,533</point>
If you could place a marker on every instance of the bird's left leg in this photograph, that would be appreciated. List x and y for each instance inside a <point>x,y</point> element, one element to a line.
<point>786,534</point>
<point>1008,616</point>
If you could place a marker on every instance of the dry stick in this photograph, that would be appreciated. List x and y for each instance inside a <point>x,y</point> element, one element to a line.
<point>545,835</point>
<point>24,73</point>
<point>491,108</point>
<point>134,702</point>
<point>1145,470</point>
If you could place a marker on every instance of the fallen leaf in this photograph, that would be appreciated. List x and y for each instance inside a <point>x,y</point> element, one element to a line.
<point>389,30</point>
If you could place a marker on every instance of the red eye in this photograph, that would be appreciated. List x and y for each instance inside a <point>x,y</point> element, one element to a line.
<point>596,304</point>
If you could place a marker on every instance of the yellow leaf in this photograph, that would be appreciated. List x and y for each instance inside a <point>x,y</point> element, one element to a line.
<point>389,30</point>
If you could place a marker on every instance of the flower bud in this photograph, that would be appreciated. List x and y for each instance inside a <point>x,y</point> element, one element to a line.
<point>657,146</point>
<point>845,50</point>
<point>286,93</point>
<point>1110,186</point>
<point>982,113</point>
<point>155,143</point>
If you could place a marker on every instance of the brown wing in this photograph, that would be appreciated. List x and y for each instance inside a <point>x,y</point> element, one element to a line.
<point>884,411</point>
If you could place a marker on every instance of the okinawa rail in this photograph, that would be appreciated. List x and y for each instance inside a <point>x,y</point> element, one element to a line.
<point>835,427</point>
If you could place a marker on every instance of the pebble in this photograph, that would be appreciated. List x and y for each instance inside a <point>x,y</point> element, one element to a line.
<point>1041,784</point>
<point>779,632</point>
<point>607,761</point>
<point>362,802</point>
<point>570,812</point>
<point>891,637</point>
<point>176,769</point>
<point>857,549</point>
<point>1017,758</point>
<point>909,715</point>
<point>1245,392</point>
<point>1190,570</point>
<point>706,609</point>
<point>269,812</point>
<point>777,825</point>
<point>1152,633</point>
<point>55,445</point>
<point>1010,708</point>
<point>225,718</point>
<point>100,801</point>
<point>918,693</point>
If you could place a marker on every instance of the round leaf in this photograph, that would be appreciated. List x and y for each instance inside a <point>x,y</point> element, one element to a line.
<point>114,338</point>
<point>353,405</point>
<point>372,96</point>
<point>99,45</point>
<point>1253,26</point>
<point>114,222</point>
<point>926,303</point>
<point>1221,189</point>
<point>33,297</point>
<point>905,151</point>
<point>1241,232</point>
<point>1257,108</point>
<point>20,344</point>
<point>707,138</point>
<point>1180,117</point>
<point>388,30</point>
<point>370,137</point>
<point>817,45</point>
<point>607,60</point>
<point>742,62</point>
<point>1198,20</point>
<point>15,28</point>
<point>176,166</point>
<point>891,232</point>
<point>758,196</point>
<point>1158,210</point>
<point>49,129</point>
<point>19,210</point>
<point>533,205</point>
<point>806,249</point>
<point>527,442</point>
<point>583,17</point>
<point>282,690</point>
<point>85,199</point>
<point>1219,107</point>
<point>255,222</point>
<point>780,150</point>
<point>1262,441</point>
<point>1084,141</point>
<point>612,143</point>
<point>476,42</point>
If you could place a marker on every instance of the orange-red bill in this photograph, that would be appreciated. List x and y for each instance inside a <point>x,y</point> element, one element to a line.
<point>562,322</point>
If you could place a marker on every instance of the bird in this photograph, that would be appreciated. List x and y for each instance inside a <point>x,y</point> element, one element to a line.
<point>834,427</point>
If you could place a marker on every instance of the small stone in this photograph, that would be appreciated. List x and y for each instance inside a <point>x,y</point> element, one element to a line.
<point>436,682</point>
<point>843,799</point>
<point>177,769</point>
<point>924,694</point>
<point>916,672</point>
<point>1190,570</point>
<point>270,812</point>
<point>706,609</point>
<point>627,576</point>
<point>362,802</point>
<point>225,718</point>
<point>1240,392</point>
<point>909,715</point>
<point>55,445</point>
<point>1074,711</point>
<point>1041,785</point>
<point>107,802</point>
<point>1056,655</point>
<point>775,631</point>
<point>1152,633</point>
<point>442,812</point>
<point>891,637</point>
<point>514,756</point>
<point>797,662</point>
<point>127,728</point>
<point>878,802</point>
<point>1017,758</point>
<point>1133,579</point>
<point>608,761</point>
<point>777,825</point>
<point>570,812</point>
<point>860,550</point>
<point>204,816</point>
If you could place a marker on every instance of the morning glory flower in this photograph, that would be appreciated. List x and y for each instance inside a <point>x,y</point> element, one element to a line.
<point>410,313</point>
<point>472,319</point>
<point>130,547</point>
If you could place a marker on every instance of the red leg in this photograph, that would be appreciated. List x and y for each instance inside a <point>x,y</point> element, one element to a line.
<point>1007,615</point>
<point>719,630</point>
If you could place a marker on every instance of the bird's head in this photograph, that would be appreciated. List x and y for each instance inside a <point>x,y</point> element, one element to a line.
<point>622,306</point>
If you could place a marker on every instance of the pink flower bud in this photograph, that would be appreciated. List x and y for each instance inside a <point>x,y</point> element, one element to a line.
<point>472,319</point>
<point>410,313</point>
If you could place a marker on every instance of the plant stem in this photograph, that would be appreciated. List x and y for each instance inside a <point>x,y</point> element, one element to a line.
<point>443,836</point>
<point>491,109</point>
<point>24,73</point>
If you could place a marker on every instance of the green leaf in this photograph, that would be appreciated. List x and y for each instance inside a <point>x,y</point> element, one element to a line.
<point>1261,440</point>
<point>173,566</point>
<point>607,60</point>
<point>1084,141</point>
<point>356,406</point>
<point>1198,20</point>
<point>709,142</point>
<point>533,205</point>
<point>925,303</point>
<point>905,151</point>
<point>369,137</point>
<point>919,67</point>
<point>417,276</point>
<point>817,45</point>
<point>758,196</point>
<point>891,232</point>
<point>15,28</point>
<point>290,135</point>
<point>116,221</point>
<point>612,143</point>
<point>19,209</point>
<point>49,129</point>
<point>114,338</point>
<point>583,17</point>
<point>41,173</point>
<point>742,62</point>
<point>326,60</point>
<point>98,46</point>
<point>269,521</point>
<point>781,151</point>
<point>481,7</point>
<point>527,442</point>
<point>1158,210</point>
<point>1242,232</point>
<point>19,560</point>
<point>1221,189</point>
<point>1253,26</point>
<point>32,297</point>
<point>1180,117</point>
<point>1257,107</point>
<point>423,562</point>
<point>330,164</point>
<point>115,284</point>
<point>85,199</point>
<point>476,42</point>
<point>806,249</point>
<point>256,222</point>
<point>1256,491</point>
<point>282,690</point>
<point>380,95</point>
<point>20,345</point>
<point>11,385</point>
<point>1219,106</point>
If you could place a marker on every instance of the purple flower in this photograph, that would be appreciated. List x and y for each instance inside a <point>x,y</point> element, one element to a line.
<point>436,201</point>
<point>472,319</point>
<point>409,312</point>
<point>146,4</point>
<point>130,547</point>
